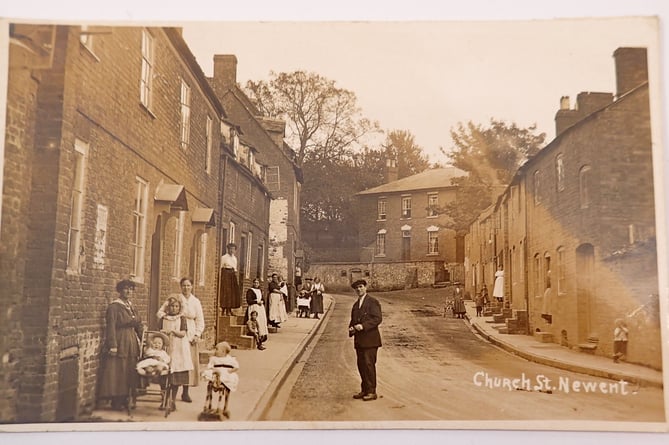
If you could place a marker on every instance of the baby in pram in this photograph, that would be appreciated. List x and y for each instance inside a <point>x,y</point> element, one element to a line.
<point>155,360</point>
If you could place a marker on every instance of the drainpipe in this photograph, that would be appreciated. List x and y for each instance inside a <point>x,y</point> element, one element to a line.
<point>222,167</point>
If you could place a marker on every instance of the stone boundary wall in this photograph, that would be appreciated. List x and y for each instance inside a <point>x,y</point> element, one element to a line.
<point>379,276</point>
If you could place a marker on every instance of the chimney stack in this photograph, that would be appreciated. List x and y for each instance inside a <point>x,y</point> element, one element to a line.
<point>565,116</point>
<point>391,170</point>
<point>631,69</point>
<point>588,102</point>
<point>225,71</point>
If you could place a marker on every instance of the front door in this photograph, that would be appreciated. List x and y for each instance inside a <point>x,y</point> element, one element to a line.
<point>406,248</point>
<point>585,259</point>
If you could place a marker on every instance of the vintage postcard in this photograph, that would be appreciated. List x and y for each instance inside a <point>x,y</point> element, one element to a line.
<point>246,225</point>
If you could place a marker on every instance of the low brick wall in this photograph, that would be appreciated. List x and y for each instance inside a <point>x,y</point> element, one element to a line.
<point>379,276</point>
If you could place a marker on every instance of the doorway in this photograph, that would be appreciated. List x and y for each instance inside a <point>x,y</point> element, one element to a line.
<point>585,261</point>
<point>154,283</point>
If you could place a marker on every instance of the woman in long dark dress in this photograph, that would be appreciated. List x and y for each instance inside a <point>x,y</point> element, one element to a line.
<point>121,349</point>
<point>229,295</point>
<point>317,297</point>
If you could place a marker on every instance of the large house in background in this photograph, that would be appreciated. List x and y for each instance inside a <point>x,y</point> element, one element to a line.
<point>401,223</point>
<point>574,232</point>
<point>120,162</point>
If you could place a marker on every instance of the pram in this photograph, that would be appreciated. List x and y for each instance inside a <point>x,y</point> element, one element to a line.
<point>153,369</point>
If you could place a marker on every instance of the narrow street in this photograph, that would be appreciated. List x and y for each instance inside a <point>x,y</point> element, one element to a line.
<point>434,368</point>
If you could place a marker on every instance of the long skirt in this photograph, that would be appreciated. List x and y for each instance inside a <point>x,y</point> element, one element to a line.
<point>277,308</point>
<point>194,374</point>
<point>229,295</point>
<point>119,376</point>
<point>459,307</point>
<point>317,303</point>
<point>180,378</point>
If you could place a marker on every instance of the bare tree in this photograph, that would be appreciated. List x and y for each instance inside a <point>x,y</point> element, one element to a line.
<point>323,120</point>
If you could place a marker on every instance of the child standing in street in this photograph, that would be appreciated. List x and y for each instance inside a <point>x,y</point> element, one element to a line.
<point>620,338</point>
<point>478,301</point>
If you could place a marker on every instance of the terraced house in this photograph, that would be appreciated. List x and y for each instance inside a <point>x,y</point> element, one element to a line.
<point>264,138</point>
<point>116,155</point>
<point>575,230</point>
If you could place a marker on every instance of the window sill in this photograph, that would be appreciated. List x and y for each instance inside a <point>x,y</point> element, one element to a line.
<point>432,254</point>
<point>90,52</point>
<point>380,256</point>
<point>148,110</point>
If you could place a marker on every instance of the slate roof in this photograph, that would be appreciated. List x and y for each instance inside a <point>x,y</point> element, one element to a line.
<point>429,179</point>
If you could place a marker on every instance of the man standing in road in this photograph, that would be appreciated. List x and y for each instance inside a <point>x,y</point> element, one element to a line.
<point>364,327</point>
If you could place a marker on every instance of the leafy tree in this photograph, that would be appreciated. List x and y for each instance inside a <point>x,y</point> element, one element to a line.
<point>490,155</point>
<point>399,145</point>
<point>323,120</point>
<point>410,157</point>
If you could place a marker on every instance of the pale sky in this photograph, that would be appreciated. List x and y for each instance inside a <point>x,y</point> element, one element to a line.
<point>426,77</point>
<point>421,66</point>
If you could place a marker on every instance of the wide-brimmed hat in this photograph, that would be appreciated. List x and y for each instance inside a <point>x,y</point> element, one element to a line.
<point>357,283</point>
<point>151,335</point>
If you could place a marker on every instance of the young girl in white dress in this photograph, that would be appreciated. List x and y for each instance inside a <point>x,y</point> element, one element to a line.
<point>173,324</point>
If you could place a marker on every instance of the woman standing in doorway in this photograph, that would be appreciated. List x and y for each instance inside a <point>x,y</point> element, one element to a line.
<point>229,296</point>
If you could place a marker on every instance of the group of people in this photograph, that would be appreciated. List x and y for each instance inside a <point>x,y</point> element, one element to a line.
<point>310,298</point>
<point>172,350</point>
<point>272,310</point>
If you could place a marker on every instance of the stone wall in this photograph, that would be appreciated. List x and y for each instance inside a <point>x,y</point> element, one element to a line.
<point>379,276</point>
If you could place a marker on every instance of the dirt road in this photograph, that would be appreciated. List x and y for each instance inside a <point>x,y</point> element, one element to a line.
<point>434,368</point>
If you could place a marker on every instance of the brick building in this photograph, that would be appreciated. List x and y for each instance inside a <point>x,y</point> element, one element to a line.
<point>403,224</point>
<point>282,176</point>
<point>114,154</point>
<point>575,230</point>
<point>245,204</point>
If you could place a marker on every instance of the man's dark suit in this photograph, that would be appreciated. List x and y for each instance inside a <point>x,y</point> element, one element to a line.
<point>367,341</point>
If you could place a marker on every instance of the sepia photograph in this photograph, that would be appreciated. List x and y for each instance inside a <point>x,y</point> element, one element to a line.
<point>249,224</point>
